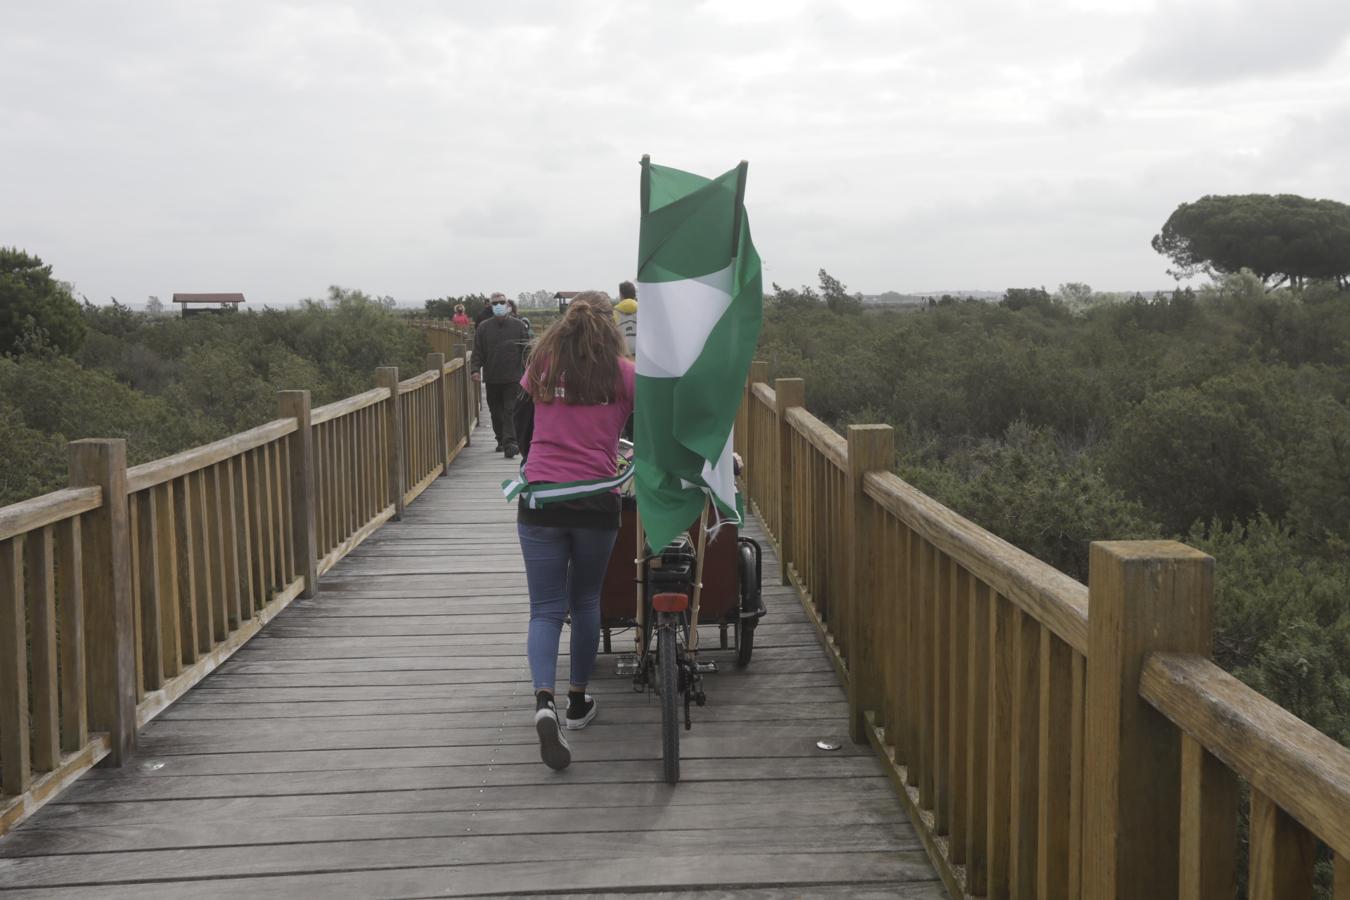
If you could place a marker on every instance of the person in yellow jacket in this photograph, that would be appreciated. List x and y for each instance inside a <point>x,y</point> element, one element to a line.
<point>625,315</point>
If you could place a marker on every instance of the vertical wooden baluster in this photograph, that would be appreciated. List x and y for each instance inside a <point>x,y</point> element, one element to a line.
<point>359,477</point>
<point>44,704</point>
<point>914,658</point>
<point>134,555</point>
<point>221,550</point>
<point>257,500</point>
<point>243,544</point>
<point>927,715</point>
<point>1077,752</point>
<point>321,489</point>
<point>330,482</point>
<point>1209,825</point>
<point>185,506</point>
<point>957,744</point>
<point>1025,759</point>
<point>941,724</point>
<point>1281,854</point>
<point>74,707</point>
<point>1341,884</point>
<point>341,475</point>
<point>354,472</point>
<point>893,636</point>
<point>1002,669</point>
<point>281,524</point>
<point>15,773</point>
<point>204,588</point>
<point>978,739</point>
<point>150,600</point>
<point>227,611</point>
<point>281,527</point>
<point>166,539</point>
<point>269,532</point>
<point>211,616</point>
<point>1053,749</point>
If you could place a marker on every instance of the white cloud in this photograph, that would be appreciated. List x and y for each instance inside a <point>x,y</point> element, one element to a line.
<point>422,148</point>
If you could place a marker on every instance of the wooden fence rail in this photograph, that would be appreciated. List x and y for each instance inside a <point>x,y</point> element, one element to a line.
<point>1050,739</point>
<point>121,592</point>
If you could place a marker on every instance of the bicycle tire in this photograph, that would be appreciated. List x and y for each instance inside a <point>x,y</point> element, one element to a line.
<point>670,703</point>
<point>750,599</point>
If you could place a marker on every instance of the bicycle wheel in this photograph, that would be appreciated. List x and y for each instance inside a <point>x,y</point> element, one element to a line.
<point>670,702</point>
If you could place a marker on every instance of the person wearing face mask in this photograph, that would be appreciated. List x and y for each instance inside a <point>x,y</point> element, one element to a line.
<point>499,345</point>
<point>582,386</point>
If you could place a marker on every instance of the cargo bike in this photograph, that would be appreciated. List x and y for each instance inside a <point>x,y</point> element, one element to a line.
<point>703,579</point>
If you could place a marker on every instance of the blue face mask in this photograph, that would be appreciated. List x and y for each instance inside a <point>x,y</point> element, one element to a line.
<point>499,309</point>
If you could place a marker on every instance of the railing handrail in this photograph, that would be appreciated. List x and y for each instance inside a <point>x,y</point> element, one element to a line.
<point>1305,772</point>
<point>47,509</point>
<point>1054,599</point>
<point>179,464</point>
<point>340,408</point>
<point>420,380</point>
<point>822,437</point>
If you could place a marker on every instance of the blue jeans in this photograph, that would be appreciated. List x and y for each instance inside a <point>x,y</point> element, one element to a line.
<point>565,568</point>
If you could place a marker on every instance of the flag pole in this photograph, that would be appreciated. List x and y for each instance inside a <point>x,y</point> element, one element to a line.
<point>645,191</point>
<point>645,195</point>
<point>738,211</point>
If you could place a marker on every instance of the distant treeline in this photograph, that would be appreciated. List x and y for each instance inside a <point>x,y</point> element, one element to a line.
<point>167,383</point>
<point>1220,417</point>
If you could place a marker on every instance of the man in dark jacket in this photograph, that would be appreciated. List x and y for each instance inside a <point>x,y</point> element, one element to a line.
<point>499,346</point>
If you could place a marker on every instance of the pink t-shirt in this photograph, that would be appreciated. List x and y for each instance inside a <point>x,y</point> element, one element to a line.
<point>579,443</point>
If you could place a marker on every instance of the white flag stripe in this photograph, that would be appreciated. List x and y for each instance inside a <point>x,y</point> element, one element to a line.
<point>675,319</point>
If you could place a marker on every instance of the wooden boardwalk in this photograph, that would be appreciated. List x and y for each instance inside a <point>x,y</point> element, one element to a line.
<point>376,741</point>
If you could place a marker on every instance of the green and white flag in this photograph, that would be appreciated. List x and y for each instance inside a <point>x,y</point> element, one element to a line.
<point>700,303</point>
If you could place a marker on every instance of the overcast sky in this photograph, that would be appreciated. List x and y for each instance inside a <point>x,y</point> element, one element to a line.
<point>419,149</point>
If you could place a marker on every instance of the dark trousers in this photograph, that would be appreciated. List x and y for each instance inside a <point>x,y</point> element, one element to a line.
<point>501,400</point>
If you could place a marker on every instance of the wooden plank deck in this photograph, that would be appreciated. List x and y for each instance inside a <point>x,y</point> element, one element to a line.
<point>376,741</point>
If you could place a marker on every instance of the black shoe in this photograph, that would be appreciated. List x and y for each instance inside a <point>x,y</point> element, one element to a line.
<point>553,747</point>
<point>499,447</point>
<point>580,710</point>
<point>511,451</point>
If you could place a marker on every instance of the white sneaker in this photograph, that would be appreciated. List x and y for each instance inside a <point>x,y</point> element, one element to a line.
<point>553,747</point>
<point>585,718</point>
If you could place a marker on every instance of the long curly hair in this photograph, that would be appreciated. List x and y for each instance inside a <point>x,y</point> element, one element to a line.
<point>577,359</point>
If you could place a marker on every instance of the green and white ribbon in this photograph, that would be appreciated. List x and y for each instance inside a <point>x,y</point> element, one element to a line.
<point>538,495</point>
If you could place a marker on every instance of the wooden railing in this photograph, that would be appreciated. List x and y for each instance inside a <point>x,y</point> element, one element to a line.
<point>121,592</point>
<point>1049,739</point>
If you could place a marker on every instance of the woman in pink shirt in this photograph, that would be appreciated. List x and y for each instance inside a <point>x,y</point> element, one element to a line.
<point>582,386</point>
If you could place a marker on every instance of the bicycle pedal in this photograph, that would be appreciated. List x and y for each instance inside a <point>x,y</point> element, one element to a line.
<point>706,665</point>
<point>626,664</point>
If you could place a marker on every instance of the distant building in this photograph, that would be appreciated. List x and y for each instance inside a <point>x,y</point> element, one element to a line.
<point>564,298</point>
<point>207,303</point>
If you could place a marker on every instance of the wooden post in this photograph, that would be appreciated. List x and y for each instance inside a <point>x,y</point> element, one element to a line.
<point>870,448</point>
<point>304,537</point>
<point>387,377</point>
<point>436,363</point>
<point>1144,596</point>
<point>789,392</point>
<point>466,411</point>
<point>110,630</point>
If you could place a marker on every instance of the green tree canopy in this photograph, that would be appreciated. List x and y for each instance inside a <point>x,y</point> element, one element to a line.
<point>1280,236</point>
<point>36,310</point>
